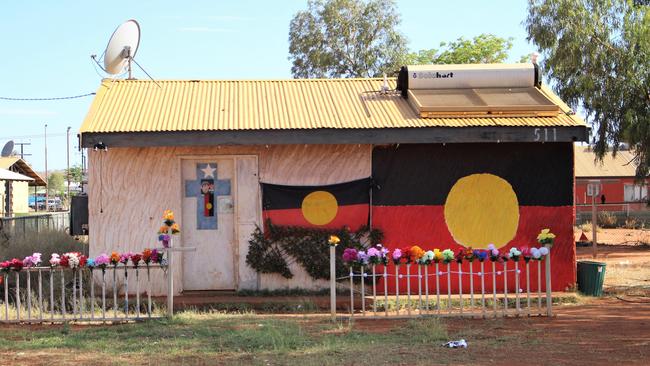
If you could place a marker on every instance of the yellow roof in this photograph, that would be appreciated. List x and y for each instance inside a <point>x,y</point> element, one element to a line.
<point>619,166</point>
<point>22,167</point>
<point>228,105</point>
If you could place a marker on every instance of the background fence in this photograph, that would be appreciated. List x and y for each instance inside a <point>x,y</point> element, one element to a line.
<point>20,226</point>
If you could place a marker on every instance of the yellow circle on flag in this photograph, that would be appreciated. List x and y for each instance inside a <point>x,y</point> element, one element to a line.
<point>208,205</point>
<point>319,207</point>
<point>482,209</point>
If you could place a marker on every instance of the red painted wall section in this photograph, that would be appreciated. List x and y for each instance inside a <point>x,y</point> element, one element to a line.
<point>612,188</point>
<point>425,226</point>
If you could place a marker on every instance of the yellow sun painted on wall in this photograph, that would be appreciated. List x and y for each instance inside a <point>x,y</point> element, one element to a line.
<point>482,209</point>
<point>319,207</point>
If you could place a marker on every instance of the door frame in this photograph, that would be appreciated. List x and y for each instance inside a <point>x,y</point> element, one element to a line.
<point>234,191</point>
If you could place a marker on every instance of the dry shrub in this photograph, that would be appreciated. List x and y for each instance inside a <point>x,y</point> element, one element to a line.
<point>44,242</point>
<point>607,219</point>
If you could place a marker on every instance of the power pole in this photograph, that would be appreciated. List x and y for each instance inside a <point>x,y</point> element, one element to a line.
<point>47,181</point>
<point>68,163</point>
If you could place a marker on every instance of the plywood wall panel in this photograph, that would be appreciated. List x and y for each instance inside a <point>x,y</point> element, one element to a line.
<point>129,188</point>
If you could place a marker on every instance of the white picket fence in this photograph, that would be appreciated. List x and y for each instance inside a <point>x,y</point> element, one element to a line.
<point>29,304</point>
<point>513,298</point>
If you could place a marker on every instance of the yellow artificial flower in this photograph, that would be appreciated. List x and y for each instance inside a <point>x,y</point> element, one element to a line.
<point>334,240</point>
<point>176,229</point>
<point>168,215</point>
<point>437,255</point>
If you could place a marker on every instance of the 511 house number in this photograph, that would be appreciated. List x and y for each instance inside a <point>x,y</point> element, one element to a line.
<point>545,134</point>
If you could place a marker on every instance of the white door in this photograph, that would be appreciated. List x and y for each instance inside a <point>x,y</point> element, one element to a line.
<point>208,223</point>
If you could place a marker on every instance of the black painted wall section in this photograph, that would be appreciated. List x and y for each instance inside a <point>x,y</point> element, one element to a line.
<point>423,174</point>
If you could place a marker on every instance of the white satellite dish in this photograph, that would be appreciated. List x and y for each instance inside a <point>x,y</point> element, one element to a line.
<point>122,47</point>
<point>8,149</point>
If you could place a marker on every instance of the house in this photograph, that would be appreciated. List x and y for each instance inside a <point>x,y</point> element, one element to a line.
<point>615,176</point>
<point>468,164</point>
<point>19,189</point>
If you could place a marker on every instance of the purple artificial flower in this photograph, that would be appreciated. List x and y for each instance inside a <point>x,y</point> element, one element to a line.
<point>362,257</point>
<point>350,255</point>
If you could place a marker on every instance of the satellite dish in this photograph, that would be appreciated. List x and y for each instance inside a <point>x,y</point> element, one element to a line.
<point>122,47</point>
<point>8,149</point>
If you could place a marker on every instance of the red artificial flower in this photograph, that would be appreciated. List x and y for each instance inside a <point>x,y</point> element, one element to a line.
<point>64,261</point>
<point>135,259</point>
<point>82,261</point>
<point>16,264</point>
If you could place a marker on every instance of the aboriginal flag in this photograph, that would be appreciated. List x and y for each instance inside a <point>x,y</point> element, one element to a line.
<point>472,195</point>
<point>328,206</point>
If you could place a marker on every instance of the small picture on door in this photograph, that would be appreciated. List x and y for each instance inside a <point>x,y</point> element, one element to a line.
<point>207,190</point>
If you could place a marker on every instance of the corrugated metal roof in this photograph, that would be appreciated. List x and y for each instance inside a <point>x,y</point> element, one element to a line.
<point>619,166</point>
<point>22,167</point>
<point>192,105</point>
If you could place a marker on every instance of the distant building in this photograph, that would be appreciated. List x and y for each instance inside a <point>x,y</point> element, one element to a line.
<point>619,190</point>
<point>19,189</point>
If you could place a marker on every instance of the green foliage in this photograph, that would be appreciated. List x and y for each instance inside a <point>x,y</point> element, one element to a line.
<point>55,183</point>
<point>484,48</point>
<point>273,251</point>
<point>76,174</point>
<point>346,38</point>
<point>597,52</point>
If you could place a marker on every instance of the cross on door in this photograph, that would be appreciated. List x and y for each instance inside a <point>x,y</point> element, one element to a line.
<point>206,188</point>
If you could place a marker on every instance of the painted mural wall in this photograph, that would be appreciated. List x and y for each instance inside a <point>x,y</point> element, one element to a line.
<point>129,188</point>
<point>473,195</point>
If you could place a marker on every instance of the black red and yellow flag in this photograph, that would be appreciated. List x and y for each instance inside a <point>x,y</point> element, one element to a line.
<point>472,195</point>
<point>328,206</point>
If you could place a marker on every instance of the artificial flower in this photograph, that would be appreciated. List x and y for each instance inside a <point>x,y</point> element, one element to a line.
<point>397,256</point>
<point>515,253</point>
<point>125,257</point>
<point>168,215</point>
<point>102,261</point>
<point>437,255</point>
<point>459,256</point>
<point>416,253</point>
<point>175,228</point>
<point>543,251</point>
<point>374,256</point>
<point>64,261</point>
<point>469,254</point>
<point>115,258</point>
<point>5,266</point>
<point>481,255</point>
<point>16,264</point>
<point>427,257</point>
<point>334,240</point>
<point>350,255</point>
<point>90,263</point>
<point>146,256</point>
<point>362,258</point>
<point>156,256</point>
<point>447,255</point>
<point>546,237</point>
<point>163,229</point>
<point>32,261</point>
<point>135,259</point>
<point>55,260</point>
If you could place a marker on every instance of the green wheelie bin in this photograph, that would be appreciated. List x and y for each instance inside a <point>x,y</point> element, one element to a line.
<point>591,276</point>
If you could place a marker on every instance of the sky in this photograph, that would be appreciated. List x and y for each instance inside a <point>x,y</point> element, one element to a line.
<point>45,49</point>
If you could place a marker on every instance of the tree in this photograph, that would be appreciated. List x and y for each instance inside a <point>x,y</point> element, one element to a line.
<point>597,52</point>
<point>76,174</point>
<point>484,48</point>
<point>55,183</point>
<point>346,38</point>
